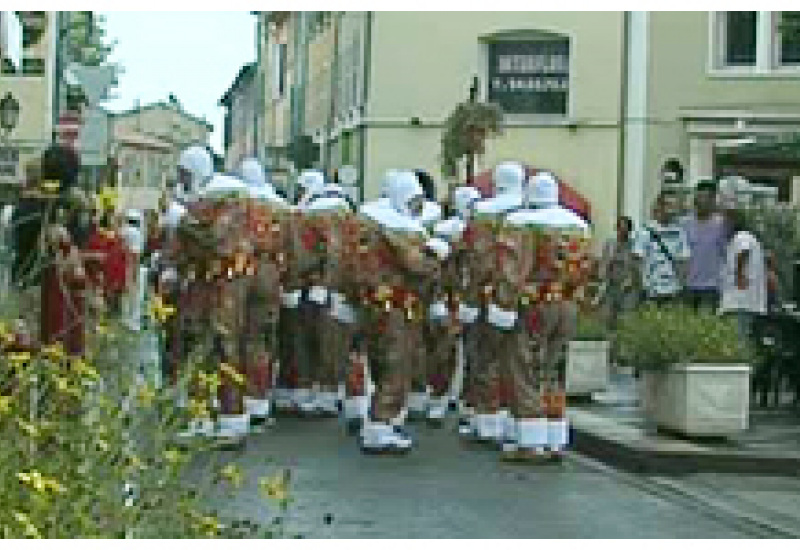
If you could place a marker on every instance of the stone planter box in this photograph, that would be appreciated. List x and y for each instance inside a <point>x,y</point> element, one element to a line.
<point>698,400</point>
<point>587,367</point>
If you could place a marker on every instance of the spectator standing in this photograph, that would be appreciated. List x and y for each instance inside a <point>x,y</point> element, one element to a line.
<point>618,270</point>
<point>662,248</point>
<point>706,235</point>
<point>744,285</point>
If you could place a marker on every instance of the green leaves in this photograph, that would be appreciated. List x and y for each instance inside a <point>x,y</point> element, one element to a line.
<point>655,338</point>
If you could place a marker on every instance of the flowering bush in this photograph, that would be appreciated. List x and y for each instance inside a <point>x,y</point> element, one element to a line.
<point>89,448</point>
<point>656,338</point>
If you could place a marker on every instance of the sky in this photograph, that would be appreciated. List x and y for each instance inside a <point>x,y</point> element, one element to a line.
<point>194,55</point>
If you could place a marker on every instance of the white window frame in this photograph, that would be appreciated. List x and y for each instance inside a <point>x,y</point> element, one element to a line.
<point>767,64</point>
<point>528,119</point>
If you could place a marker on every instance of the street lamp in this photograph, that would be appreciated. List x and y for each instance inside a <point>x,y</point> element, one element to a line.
<point>9,113</point>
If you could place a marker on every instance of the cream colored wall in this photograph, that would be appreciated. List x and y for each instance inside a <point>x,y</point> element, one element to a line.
<point>35,96</point>
<point>679,74</point>
<point>318,89</point>
<point>585,158</point>
<point>423,62</point>
<point>407,80</point>
<point>164,123</point>
<point>679,78</point>
<point>278,110</point>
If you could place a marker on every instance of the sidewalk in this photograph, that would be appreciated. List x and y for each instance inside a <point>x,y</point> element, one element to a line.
<point>613,430</point>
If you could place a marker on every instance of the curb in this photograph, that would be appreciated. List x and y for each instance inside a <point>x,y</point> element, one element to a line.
<point>638,460</point>
<point>752,525</point>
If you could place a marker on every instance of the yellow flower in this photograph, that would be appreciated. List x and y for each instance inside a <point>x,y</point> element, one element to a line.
<point>232,373</point>
<point>210,526</point>
<point>198,409</point>
<point>232,473</point>
<point>275,487</point>
<point>174,456</point>
<point>19,359</point>
<point>41,483</point>
<point>107,199</point>
<point>146,395</point>
<point>50,186</point>
<point>54,353</point>
<point>135,462</point>
<point>62,383</point>
<point>80,367</point>
<point>30,528</point>
<point>160,310</point>
<point>30,429</point>
<point>5,404</point>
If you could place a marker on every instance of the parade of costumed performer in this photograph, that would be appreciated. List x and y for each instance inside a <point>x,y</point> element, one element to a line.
<point>332,213</point>
<point>300,314</point>
<point>444,334</point>
<point>267,231</point>
<point>401,263</point>
<point>194,170</point>
<point>492,419</point>
<point>64,278</point>
<point>551,242</point>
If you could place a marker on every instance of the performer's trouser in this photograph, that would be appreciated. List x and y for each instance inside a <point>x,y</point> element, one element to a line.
<point>392,350</point>
<point>484,368</point>
<point>336,341</point>
<point>229,322</point>
<point>260,352</point>
<point>289,345</point>
<point>558,326</point>
<point>310,349</point>
<point>441,344</point>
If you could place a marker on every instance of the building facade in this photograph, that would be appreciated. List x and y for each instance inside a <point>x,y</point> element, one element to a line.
<point>146,143</point>
<point>32,85</point>
<point>241,103</point>
<point>617,104</point>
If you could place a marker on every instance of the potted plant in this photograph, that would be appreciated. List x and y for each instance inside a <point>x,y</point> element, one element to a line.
<point>587,368</point>
<point>695,369</point>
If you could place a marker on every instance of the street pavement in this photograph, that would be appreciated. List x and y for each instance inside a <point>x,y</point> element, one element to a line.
<point>445,489</point>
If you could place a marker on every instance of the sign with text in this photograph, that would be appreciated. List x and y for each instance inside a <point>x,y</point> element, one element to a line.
<point>530,77</point>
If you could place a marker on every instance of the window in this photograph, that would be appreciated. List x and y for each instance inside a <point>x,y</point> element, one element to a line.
<point>741,29</point>
<point>530,76</point>
<point>755,42</point>
<point>34,24</point>
<point>789,32</point>
<point>279,53</point>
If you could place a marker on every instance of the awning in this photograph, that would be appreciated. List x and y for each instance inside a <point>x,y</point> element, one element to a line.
<point>11,38</point>
<point>568,197</point>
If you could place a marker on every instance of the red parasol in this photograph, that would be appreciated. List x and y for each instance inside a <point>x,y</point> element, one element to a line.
<point>569,198</point>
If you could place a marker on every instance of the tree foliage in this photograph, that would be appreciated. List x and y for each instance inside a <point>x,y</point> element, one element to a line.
<point>86,40</point>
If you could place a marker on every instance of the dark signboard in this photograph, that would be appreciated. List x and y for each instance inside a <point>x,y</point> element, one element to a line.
<point>530,77</point>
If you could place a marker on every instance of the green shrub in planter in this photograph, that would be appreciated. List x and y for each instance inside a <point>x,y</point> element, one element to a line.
<point>656,338</point>
<point>591,329</point>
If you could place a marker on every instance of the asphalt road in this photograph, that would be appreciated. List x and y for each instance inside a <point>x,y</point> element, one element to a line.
<point>445,489</point>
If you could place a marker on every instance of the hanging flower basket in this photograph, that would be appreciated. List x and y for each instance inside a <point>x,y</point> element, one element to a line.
<point>466,132</point>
